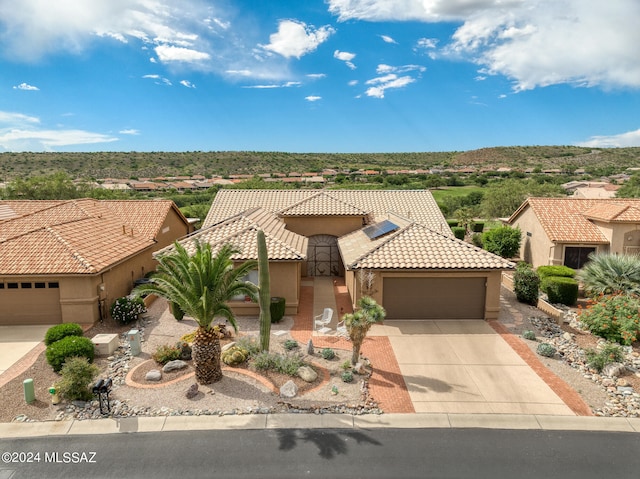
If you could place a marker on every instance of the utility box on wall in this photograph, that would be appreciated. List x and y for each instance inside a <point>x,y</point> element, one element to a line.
<point>134,341</point>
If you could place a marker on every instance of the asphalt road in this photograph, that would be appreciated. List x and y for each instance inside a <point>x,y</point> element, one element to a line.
<point>327,453</point>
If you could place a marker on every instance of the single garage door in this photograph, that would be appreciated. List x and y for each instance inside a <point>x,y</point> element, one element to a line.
<point>30,303</point>
<point>434,298</point>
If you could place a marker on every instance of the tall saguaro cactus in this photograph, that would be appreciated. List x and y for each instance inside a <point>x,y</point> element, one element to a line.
<point>264,292</point>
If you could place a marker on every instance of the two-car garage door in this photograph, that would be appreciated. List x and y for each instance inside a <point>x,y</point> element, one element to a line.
<point>434,298</point>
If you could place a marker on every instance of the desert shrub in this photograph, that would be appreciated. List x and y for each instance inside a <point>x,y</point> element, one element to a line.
<point>189,337</point>
<point>165,353</point>
<point>234,355</point>
<point>59,331</point>
<point>283,364</point>
<point>453,223</point>
<point>185,350</point>
<point>610,273</point>
<point>126,310</point>
<point>478,227</point>
<point>290,344</point>
<point>70,346</point>
<point>459,232</point>
<point>177,311</point>
<point>476,239</point>
<point>526,284</point>
<point>77,374</point>
<point>546,349</point>
<point>614,318</point>
<point>555,270</point>
<point>277,309</point>
<point>530,335</point>
<point>250,344</point>
<point>346,365</point>
<point>611,353</point>
<point>328,353</point>
<point>560,289</point>
<point>347,376</point>
<point>503,241</point>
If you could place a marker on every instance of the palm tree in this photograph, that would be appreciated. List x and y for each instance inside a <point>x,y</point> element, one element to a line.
<point>359,323</point>
<point>201,285</point>
<point>609,273</point>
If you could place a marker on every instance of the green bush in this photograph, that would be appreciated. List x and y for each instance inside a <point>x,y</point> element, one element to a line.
<point>546,349</point>
<point>250,344</point>
<point>560,289</point>
<point>503,241</point>
<point>453,223</point>
<point>611,353</point>
<point>555,270</point>
<point>614,318</point>
<point>459,232</point>
<point>234,355</point>
<point>530,335</point>
<point>526,284</point>
<point>478,227</point>
<point>59,331</point>
<point>166,353</point>
<point>77,374</point>
<point>58,352</point>
<point>290,344</point>
<point>125,310</point>
<point>476,239</point>
<point>328,353</point>
<point>347,376</point>
<point>277,308</point>
<point>176,311</point>
<point>283,364</point>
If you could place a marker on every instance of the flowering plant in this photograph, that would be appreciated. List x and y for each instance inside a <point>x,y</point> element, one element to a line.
<point>127,309</point>
<point>613,317</point>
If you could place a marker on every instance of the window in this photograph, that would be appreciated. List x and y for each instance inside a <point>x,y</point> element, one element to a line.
<point>26,285</point>
<point>577,256</point>
<point>1,285</point>
<point>54,285</point>
<point>12,285</point>
<point>252,277</point>
<point>40,285</point>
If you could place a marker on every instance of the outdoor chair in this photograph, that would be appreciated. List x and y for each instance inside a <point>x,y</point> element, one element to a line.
<point>321,322</point>
<point>341,330</point>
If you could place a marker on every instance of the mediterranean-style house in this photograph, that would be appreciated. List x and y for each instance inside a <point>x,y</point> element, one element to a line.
<point>399,240</point>
<point>564,231</point>
<point>67,261</point>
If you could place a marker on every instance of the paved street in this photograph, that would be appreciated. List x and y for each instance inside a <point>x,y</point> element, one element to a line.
<point>332,453</point>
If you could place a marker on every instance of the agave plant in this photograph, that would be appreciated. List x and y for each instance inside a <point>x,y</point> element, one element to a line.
<point>608,273</point>
<point>201,285</point>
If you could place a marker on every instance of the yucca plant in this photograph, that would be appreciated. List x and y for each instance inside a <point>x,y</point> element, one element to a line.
<point>359,323</point>
<point>608,273</point>
<point>201,285</point>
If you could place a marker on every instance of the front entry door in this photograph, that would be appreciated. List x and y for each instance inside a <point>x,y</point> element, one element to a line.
<point>323,256</point>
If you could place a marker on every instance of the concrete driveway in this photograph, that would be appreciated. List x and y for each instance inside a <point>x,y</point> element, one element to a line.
<point>466,367</point>
<point>17,341</point>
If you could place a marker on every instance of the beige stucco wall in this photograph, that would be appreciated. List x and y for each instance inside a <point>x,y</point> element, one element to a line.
<point>535,248</point>
<point>323,225</point>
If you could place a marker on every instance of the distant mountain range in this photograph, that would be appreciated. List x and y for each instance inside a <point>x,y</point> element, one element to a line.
<point>152,164</point>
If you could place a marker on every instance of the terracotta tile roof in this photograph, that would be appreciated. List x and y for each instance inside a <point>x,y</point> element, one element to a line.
<point>240,231</point>
<point>322,204</point>
<point>418,205</point>
<point>413,246</point>
<point>76,236</point>
<point>567,220</point>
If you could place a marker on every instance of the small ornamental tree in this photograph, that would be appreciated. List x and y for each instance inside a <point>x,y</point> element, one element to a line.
<point>503,241</point>
<point>526,284</point>
<point>359,323</point>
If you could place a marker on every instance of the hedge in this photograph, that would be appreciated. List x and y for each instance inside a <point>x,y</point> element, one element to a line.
<point>556,270</point>
<point>459,232</point>
<point>560,290</point>
<point>526,284</point>
<point>478,227</point>
<point>59,331</point>
<point>71,346</point>
<point>453,223</point>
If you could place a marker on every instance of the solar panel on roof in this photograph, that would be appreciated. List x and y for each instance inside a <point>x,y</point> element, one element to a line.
<point>380,229</point>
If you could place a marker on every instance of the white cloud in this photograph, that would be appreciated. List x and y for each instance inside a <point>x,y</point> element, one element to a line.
<point>312,98</point>
<point>390,78</point>
<point>26,86</point>
<point>427,43</point>
<point>346,57</point>
<point>129,131</point>
<point>388,39</point>
<point>288,84</point>
<point>17,118</point>
<point>187,83</point>
<point>535,43</point>
<point>295,38</point>
<point>170,53</point>
<point>316,76</point>
<point>158,79</point>
<point>353,83</point>
<point>630,138</point>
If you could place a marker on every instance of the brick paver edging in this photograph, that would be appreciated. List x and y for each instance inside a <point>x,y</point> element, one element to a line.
<point>568,395</point>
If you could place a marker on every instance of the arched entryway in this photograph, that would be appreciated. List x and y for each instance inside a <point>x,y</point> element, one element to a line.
<point>323,256</point>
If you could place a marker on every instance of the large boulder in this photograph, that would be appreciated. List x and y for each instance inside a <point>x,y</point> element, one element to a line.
<point>307,374</point>
<point>176,365</point>
<point>288,389</point>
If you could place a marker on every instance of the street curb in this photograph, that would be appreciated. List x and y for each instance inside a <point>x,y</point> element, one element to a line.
<point>316,421</point>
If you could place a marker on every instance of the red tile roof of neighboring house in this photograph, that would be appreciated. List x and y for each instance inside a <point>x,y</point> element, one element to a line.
<point>77,236</point>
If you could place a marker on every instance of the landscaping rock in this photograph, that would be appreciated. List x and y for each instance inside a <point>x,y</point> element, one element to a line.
<point>613,370</point>
<point>176,365</point>
<point>227,346</point>
<point>192,391</point>
<point>288,389</point>
<point>359,369</point>
<point>310,349</point>
<point>307,374</point>
<point>153,375</point>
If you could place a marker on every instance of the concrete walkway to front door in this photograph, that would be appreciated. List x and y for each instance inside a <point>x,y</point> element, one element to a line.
<point>452,366</point>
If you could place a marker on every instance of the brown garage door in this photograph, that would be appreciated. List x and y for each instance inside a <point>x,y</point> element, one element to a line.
<point>30,303</point>
<point>434,298</point>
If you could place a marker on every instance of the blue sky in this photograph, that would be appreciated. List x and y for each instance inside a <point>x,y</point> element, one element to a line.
<point>317,75</point>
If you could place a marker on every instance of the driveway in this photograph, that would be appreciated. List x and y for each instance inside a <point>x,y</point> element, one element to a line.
<point>17,341</point>
<point>466,367</point>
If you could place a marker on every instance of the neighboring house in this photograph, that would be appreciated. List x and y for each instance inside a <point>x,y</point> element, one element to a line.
<point>565,231</point>
<point>67,261</point>
<point>398,238</point>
